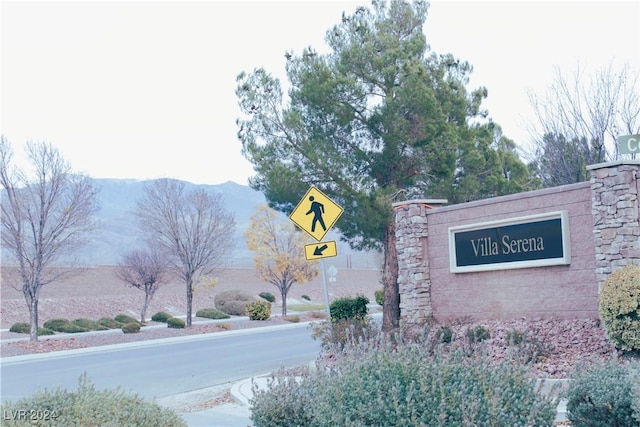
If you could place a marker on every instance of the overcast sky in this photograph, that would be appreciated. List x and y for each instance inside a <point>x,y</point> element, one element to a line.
<point>145,89</point>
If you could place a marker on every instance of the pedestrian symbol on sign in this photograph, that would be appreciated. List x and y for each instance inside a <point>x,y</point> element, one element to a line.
<point>316,213</point>
<point>317,209</point>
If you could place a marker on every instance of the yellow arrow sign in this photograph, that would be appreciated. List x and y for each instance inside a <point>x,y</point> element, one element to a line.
<point>321,250</point>
<point>316,213</point>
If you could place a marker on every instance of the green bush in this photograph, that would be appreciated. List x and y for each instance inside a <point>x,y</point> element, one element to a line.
<point>478,334</point>
<point>620,307</point>
<point>44,331</point>
<point>405,386</point>
<point>20,328</point>
<point>259,310</point>
<point>131,328</point>
<point>161,316</point>
<point>306,297</point>
<point>233,302</point>
<point>63,325</point>
<point>109,323</point>
<point>444,334</point>
<point>602,396</point>
<point>89,324</point>
<point>176,323</point>
<point>90,407</point>
<point>123,318</point>
<point>349,308</point>
<point>267,296</point>
<point>379,294</point>
<point>212,313</point>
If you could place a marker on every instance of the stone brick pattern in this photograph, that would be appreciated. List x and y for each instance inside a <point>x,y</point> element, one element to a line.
<point>615,189</point>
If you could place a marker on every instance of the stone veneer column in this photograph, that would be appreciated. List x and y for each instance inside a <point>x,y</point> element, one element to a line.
<point>414,280</point>
<point>615,206</point>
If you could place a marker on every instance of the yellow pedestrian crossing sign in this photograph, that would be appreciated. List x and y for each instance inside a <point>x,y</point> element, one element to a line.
<point>321,250</point>
<point>316,213</point>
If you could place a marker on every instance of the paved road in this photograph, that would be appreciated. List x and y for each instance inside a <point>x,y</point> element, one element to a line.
<point>155,370</point>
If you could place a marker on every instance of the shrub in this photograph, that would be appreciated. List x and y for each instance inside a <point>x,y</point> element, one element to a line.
<point>131,328</point>
<point>225,326</point>
<point>20,328</point>
<point>44,331</point>
<point>123,318</point>
<point>109,323</point>
<point>478,334</point>
<point>268,296</point>
<point>259,310</point>
<point>444,334</point>
<point>341,333</point>
<point>89,324</point>
<point>233,302</point>
<point>161,316</point>
<point>63,325</point>
<point>601,396</point>
<point>407,386</point>
<point>620,307</point>
<point>236,308</point>
<point>349,308</point>
<point>306,297</point>
<point>212,313</point>
<point>379,294</point>
<point>90,407</point>
<point>293,319</point>
<point>176,323</point>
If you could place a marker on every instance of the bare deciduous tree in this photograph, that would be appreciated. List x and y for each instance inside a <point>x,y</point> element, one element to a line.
<point>45,217</point>
<point>145,270</point>
<point>193,227</point>
<point>584,115</point>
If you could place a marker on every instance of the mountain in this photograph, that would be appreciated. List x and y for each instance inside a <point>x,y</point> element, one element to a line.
<point>118,231</point>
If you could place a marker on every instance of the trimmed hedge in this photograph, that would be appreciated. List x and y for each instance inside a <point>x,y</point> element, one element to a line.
<point>349,308</point>
<point>123,318</point>
<point>267,296</point>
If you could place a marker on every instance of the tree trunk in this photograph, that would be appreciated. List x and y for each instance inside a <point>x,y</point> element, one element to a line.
<point>145,305</point>
<point>283,294</point>
<point>33,314</point>
<point>189,301</point>
<point>391,306</point>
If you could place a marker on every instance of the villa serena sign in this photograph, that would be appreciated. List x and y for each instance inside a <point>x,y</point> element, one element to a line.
<point>531,241</point>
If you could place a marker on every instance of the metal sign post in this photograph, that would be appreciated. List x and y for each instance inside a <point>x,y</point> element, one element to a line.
<point>326,291</point>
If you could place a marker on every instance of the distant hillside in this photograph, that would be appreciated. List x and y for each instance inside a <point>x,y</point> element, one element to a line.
<point>119,232</point>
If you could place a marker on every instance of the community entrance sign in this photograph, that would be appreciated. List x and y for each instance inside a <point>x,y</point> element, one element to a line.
<point>532,241</point>
<point>629,144</point>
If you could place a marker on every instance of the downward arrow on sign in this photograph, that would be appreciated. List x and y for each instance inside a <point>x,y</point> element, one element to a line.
<point>319,249</point>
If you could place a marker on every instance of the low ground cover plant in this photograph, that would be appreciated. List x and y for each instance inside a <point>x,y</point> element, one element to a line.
<point>175,323</point>
<point>605,395</point>
<point>387,381</point>
<point>87,407</point>
<point>233,302</point>
<point>161,316</point>
<point>212,313</point>
<point>125,318</point>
